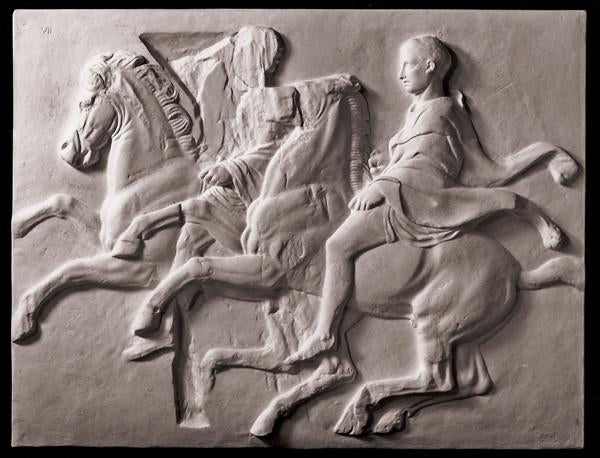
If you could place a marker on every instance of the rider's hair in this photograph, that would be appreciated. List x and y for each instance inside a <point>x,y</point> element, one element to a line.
<point>260,48</point>
<point>435,50</point>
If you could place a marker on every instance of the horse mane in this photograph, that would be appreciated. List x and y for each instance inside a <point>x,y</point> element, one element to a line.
<point>359,145</point>
<point>168,98</point>
<point>157,81</point>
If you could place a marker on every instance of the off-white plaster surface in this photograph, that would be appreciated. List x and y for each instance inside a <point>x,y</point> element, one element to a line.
<point>524,76</point>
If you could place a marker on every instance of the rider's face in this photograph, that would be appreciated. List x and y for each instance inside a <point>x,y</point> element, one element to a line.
<point>414,71</point>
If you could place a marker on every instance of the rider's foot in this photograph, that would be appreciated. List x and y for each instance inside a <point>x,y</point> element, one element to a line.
<point>313,346</point>
<point>147,321</point>
<point>126,249</point>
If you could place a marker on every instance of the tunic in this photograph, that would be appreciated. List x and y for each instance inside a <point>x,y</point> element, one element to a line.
<point>425,201</point>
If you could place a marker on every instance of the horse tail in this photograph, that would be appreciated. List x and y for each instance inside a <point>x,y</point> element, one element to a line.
<point>359,146</point>
<point>568,270</point>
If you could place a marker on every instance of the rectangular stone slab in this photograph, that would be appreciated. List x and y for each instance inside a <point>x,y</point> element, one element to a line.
<point>522,76</point>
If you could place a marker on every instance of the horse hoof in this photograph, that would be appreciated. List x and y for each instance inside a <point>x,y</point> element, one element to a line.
<point>23,326</point>
<point>351,424</point>
<point>391,421</point>
<point>573,272</point>
<point>146,322</point>
<point>563,168</point>
<point>19,230</point>
<point>126,249</point>
<point>197,420</point>
<point>142,348</point>
<point>264,424</point>
<point>553,238</point>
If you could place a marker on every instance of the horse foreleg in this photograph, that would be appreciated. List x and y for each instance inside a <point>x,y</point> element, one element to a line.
<point>102,270</point>
<point>562,166</point>
<point>552,237</point>
<point>333,370</point>
<point>57,206</point>
<point>250,272</point>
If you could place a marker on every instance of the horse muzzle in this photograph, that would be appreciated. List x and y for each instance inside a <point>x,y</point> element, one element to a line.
<point>71,152</point>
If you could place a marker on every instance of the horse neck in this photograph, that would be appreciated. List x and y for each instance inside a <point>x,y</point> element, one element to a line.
<point>143,143</point>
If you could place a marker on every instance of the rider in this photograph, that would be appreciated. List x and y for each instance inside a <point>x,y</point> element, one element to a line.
<point>418,198</point>
<point>254,121</point>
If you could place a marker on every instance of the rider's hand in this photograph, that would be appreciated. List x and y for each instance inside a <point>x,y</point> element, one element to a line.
<point>215,175</point>
<point>366,199</point>
<point>377,162</point>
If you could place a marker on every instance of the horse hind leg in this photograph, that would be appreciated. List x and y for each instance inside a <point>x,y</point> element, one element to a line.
<point>434,375</point>
<point>472,379</point>
<point>61,206</point>
<point>561,269</point>
<point>331,372</point>
<point>267,358</point>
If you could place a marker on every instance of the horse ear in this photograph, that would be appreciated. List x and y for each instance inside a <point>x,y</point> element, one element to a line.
<point>106,56</point>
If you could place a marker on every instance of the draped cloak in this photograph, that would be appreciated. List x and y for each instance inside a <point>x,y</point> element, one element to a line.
<point>431,159</point>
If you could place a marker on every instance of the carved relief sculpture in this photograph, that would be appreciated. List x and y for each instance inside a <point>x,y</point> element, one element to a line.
<point>272,194</point>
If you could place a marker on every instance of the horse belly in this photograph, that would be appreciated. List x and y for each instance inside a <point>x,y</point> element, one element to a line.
<point>387,278</point>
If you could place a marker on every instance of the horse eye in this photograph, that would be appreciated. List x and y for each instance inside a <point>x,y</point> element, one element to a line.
<point>86,104</point>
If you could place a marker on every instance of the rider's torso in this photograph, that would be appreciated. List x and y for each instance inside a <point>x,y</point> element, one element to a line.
<point>421,154</point>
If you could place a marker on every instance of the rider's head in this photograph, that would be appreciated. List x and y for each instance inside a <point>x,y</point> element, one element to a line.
<point>423,60</point>
<point>257,52</point>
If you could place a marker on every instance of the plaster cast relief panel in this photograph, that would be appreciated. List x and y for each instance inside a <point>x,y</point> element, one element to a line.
<point>260,232</point>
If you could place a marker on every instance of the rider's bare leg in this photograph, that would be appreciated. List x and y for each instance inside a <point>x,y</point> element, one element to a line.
<point>142,226</point>
<point>251,271</point>
<point>361,231</point>
<point>103,270</point>
<point>223,224</point>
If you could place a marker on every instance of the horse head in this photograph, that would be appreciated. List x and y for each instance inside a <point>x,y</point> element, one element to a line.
<point>98,115</point>
<point>126,98</point>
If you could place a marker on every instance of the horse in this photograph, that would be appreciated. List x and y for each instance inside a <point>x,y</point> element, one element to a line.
<point>304,198</point>
<point>131,112</point>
